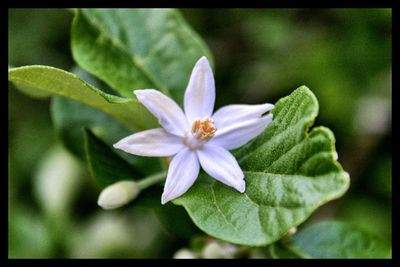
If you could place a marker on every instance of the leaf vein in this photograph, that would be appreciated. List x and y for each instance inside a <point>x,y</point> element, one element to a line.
<point>220,211</point>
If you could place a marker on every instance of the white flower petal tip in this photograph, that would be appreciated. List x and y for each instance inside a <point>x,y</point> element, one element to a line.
<point>231,115</point>
<point>182,173</point>
<point>165,198</point>
<point>241,187</point>
<point>220,164</point>
<point>199,96</point>
<point>203,60</point>
<point>117,145</point>
<point>268,106</point>
<point>238,183</point>
<point>118,194</point>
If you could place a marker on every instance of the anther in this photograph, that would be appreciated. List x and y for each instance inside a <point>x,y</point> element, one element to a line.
<point>203,129</point>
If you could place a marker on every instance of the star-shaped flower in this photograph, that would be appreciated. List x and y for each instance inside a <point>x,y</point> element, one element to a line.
<point>196,137</point>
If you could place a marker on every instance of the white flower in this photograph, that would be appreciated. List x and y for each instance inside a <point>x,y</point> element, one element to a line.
<point>196,137</point>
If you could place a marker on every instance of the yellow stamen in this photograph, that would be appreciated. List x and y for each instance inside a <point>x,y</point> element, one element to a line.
<point>203,129</point>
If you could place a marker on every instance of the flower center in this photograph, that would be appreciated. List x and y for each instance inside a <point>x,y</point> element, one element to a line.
<point>203,129</point>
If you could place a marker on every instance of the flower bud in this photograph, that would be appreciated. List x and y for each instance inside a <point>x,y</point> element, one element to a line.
<point>184,253</point>
<point>118,194</point>
<point>292,231</point>
<point>217,250</point>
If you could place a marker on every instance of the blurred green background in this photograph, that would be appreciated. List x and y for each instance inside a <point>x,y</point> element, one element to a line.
<point>261,55</point>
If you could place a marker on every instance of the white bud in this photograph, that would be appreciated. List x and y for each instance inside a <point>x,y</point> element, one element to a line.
<point>184,253</point>
<point>215,250</point>
<point>118,194</point>
<point>292,231</point>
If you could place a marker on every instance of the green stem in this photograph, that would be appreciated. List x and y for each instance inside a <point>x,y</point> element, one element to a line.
<point>152,179</point>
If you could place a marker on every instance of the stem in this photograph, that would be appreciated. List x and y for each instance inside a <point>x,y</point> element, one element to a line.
<point>152,179</point>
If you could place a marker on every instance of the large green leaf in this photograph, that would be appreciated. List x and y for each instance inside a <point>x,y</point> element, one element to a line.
<point>289,173</point>
<point>337,240</point>
<point>63,83</point>
<point>137,48</point>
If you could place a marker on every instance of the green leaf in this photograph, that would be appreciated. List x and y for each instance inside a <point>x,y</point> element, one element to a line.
<point>32,92</point>
<point>280,251</point>
<point>175,220</point>
<point>137,48</point>
<point>368,212</point>
<point>105,166</point>
<point>289,173</point>
<point>63,83</point>
<point>70,117</point>
<point>338,240</point>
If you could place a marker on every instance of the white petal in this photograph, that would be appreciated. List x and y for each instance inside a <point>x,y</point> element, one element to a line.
<point>200,92</point>
<point>169,114</point>
<point>222,165</point>
<point>151,143</point>
<point>232,114</point>
<point>182,172</point>
<point>240,133</point>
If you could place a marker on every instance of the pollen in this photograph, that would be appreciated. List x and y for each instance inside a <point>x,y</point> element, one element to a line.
<point>203,129</point>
